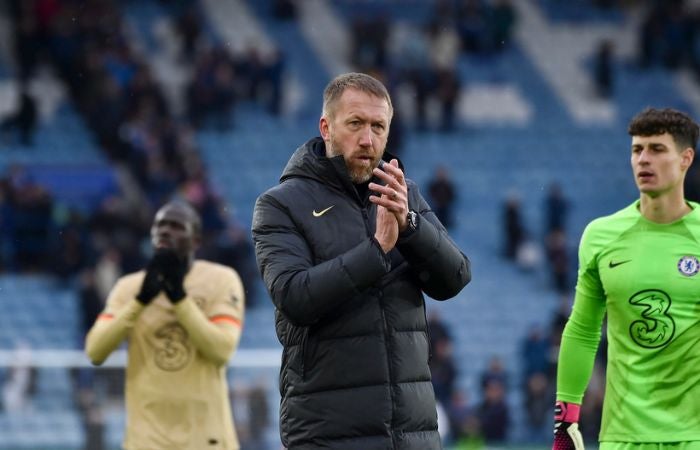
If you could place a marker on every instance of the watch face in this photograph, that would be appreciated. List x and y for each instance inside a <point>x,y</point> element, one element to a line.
<point>412,219</point>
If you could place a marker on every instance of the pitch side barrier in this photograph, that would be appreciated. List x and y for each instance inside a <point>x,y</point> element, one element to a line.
<point>45,358</point>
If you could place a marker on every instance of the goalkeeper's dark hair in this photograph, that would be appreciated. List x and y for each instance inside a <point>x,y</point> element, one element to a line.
<point>653,122</point>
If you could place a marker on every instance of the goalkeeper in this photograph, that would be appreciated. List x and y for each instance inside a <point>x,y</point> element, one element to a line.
<point>641,267</point>
<point>182,318</point>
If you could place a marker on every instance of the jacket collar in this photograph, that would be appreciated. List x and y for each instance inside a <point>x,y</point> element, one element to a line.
<point>310,161</point>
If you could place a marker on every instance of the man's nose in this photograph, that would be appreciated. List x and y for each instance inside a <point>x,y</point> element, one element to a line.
<point>366,136</point>
<point>644,156</point>
<point>164,230</point>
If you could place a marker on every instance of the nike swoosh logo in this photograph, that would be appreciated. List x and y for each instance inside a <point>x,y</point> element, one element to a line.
<point>615,264</point>
<point>322,212</point>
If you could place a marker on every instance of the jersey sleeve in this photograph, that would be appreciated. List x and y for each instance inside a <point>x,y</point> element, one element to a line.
<point>228,305</point>
<point>114,323</point>
<point>582,333</point>
<point>215,331</point>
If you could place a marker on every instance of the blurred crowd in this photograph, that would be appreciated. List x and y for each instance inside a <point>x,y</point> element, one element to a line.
<point>670,35</point>
<point>153,151</point>
<point>424,56</point>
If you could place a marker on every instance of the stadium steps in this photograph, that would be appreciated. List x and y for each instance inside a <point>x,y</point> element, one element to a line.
<point>303,69</point>
<point>39,312</point>
<point>36,429</point>
<point>61,140</point>
<point>579,12</point>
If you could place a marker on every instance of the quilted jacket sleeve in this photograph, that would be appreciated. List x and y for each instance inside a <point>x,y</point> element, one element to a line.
<point>441,269</point>
<point>304,293</point>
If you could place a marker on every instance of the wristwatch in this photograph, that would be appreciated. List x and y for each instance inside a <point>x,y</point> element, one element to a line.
<point>411,223</point>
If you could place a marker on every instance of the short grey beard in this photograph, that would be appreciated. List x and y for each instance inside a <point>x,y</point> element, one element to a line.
<point>355,177</point>
<point>360,178</point>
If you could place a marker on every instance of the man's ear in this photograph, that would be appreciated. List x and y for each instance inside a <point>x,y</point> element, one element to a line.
<point>196,242</point>
<point>323,128</point>
<point>687,157</point>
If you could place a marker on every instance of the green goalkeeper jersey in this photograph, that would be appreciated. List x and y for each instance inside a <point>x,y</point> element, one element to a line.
<point>646,277</point>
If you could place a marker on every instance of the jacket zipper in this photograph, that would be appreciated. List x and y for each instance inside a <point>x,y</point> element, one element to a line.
<point>387,344</point>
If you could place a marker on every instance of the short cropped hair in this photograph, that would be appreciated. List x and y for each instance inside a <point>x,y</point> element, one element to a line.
<point>353,80</point>
<point>652,122</point>
<point>192,214</point>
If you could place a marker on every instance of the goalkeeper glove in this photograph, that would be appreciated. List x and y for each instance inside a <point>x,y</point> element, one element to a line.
<point>566,433</point>
<point>150,287</point>
<point>173,269</point>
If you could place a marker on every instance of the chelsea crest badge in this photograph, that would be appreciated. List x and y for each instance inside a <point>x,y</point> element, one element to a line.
<point>688,266</point>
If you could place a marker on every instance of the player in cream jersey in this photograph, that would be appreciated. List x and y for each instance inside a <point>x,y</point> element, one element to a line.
<point>182,319</point>
<point>640,266</point>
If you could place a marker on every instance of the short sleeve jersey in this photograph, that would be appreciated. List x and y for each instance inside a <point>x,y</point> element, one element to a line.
<point>646,276</point>
<point>173,393</point>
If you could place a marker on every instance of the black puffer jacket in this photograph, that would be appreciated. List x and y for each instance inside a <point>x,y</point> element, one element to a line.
<point>351,319</point>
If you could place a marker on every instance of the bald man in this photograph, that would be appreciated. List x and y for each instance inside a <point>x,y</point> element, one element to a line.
<point>182,318</point>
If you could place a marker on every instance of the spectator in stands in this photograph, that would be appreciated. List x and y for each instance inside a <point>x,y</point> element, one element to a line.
<point>27,38</point>
<point>448,88</point>
<point>603,69</point>
<point>649,296</point>
<point>19,382</point>
<point>94,427</point>
<point>32,222</point>
<point>556,208</point>
<point>513,229</point>
<point>284,9</point>
<point>558,259</point>
<point>442,194</point>
<point>472,26</point>
<point>69,246</point>
<point>347,270</point>
<point>437,330</point>
<point>91,304</point>
<point>694,42</point>
<point>538,397</point>
<point>189,27</point>
<point>692,184</point>
<point>493,412</point>
<point>23,120</point>
<point>259,416</point>
<point>537,387</point>
<point>250,411</point>
<point>7,225</point>
<point>494,372</point>
<point>397,131</point>
<point>464,423</point>
<point>412,62</point>
<point>501,20</point>
<point>183,319</point>
<point>535,353</point>
<point>444,52</point>
<point>369,41</point>
<point>271,78</point>
<point>664,37</point>
<point>443,371</point>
